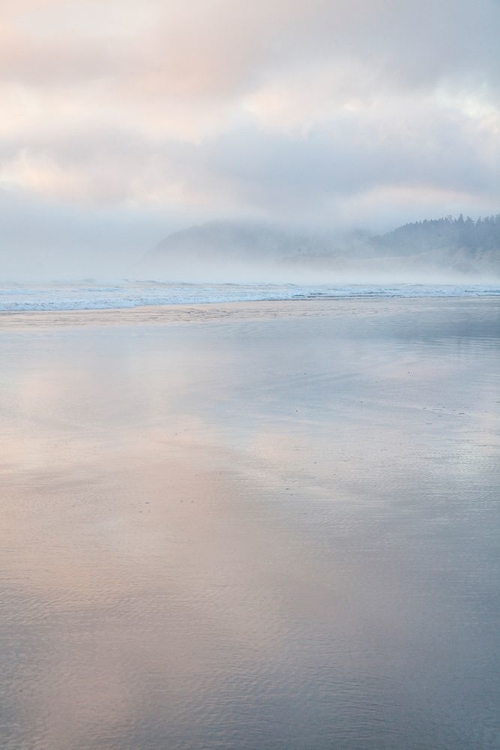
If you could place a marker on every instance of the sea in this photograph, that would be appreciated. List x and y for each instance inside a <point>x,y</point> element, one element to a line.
<point>89,294</point>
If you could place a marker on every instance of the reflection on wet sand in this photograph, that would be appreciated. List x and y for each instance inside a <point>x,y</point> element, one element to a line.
<point>266,531</point>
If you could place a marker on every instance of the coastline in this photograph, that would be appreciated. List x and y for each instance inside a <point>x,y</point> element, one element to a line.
<point>235,311</point>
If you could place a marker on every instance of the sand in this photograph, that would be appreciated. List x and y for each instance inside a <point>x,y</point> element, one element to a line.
<point>259,525</point>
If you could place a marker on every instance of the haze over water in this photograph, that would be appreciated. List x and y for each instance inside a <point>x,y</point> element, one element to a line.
<point>267,525</point>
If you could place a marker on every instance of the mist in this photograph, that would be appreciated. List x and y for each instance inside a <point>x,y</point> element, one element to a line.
<point>440,251</point>
<point>76,245</point>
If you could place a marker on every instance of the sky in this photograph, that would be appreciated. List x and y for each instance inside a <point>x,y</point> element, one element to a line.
<point>122,120</point>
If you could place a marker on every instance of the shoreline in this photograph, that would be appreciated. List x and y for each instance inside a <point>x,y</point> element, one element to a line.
<point>213,312</point>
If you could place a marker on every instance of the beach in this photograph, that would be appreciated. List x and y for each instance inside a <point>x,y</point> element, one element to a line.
<point>251,525</point>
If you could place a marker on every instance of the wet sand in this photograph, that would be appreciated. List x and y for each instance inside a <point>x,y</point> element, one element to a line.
<point>259,525</point>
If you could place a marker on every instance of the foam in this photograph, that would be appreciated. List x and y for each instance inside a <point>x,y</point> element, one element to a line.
<point>128,294</point>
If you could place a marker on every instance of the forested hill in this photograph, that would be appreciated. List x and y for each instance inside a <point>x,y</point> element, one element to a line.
<point>444,234</point>
<point>442,248</point>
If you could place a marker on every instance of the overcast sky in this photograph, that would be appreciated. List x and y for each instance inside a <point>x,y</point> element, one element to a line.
<point>122,119</point>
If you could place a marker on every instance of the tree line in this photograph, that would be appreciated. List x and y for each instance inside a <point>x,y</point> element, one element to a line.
<point>447,233</point>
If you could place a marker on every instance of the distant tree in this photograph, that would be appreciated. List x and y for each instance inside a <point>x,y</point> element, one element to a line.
<point>445,234</point>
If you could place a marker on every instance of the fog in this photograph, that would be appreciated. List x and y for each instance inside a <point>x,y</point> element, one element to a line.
<point>250,252</point>
<point>150,246</point>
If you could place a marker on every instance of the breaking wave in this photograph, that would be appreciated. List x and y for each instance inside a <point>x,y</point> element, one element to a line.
<point>91,295</point>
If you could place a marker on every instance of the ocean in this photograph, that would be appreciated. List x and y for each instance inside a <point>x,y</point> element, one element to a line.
<point>93,295</point>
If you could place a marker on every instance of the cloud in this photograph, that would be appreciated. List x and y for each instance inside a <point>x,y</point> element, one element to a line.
<point>395,143</point>
<point>221,47</point>
<point>280,108</point>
